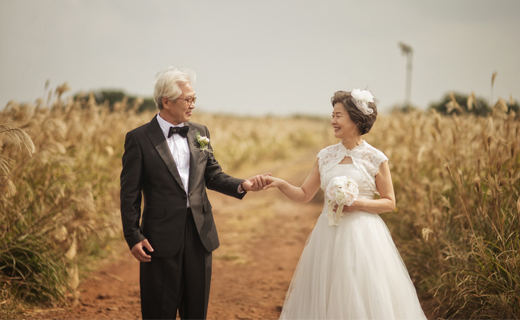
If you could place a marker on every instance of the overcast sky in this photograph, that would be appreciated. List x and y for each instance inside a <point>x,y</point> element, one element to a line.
<point>262,57</point>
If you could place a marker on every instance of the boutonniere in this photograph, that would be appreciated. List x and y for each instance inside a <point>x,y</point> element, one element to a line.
<point>203,142</point>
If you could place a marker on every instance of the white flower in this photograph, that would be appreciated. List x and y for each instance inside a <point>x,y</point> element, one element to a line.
<point>362,95</point>
<point>362,98</point>
<point>203,142</point>
<point>341,191</point>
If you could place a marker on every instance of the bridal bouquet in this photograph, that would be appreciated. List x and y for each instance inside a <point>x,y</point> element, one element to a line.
<point>341,191</point>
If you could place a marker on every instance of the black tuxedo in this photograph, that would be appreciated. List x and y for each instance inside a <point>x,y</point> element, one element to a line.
<point>149,171</point>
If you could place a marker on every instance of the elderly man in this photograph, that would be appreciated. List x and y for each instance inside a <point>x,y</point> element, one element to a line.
<point>169,161</point>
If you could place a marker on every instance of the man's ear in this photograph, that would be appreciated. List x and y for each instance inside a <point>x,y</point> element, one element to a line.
<point>165,102</point>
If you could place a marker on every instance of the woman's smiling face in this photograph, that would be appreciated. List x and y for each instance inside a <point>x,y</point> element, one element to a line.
<point>342,124</point>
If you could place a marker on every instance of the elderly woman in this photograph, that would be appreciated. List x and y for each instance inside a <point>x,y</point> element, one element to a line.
<point>350,267</point>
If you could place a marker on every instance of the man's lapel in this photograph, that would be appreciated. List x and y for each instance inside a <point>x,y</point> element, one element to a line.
<point>156,135</point>
<point>194,154</point>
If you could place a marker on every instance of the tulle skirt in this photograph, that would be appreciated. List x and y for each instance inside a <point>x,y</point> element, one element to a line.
<point>351,271</point>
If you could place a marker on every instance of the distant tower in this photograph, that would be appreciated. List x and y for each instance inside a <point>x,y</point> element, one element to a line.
<point>408,52</point>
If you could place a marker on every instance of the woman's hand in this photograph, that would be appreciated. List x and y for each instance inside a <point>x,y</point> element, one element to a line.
<point>272,182</point>
<point>357,205</point>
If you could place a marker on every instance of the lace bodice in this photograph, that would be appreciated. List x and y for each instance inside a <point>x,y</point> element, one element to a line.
<point>365,158</point>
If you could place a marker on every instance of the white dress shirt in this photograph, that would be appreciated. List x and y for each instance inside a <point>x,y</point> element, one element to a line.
<point>180,151</point>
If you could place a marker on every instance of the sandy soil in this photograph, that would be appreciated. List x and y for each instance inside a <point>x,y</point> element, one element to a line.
<point>262,238</point>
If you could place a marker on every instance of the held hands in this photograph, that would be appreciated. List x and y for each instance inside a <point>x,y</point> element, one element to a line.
<point>272,182</point>
<point>139,253</point>
<point>261,182</point>
<point>255,183</point>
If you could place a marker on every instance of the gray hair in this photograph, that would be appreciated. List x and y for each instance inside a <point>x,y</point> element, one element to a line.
<point>167,84</point>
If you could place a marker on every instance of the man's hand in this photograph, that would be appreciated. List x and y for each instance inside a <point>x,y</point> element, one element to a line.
<point>255,183</point>
<point>138,252</point>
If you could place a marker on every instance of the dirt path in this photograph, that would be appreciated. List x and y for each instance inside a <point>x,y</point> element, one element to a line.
<point>262,238</point>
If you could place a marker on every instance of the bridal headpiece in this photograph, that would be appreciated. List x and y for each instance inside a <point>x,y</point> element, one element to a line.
<point>361,100</point>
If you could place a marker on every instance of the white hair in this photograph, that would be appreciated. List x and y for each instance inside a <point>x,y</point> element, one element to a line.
<point>167,84</point>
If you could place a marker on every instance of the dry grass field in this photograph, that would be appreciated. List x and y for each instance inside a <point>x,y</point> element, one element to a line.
<point>457,182</point>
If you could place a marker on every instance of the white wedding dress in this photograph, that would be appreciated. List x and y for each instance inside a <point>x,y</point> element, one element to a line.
<point>353,270</point>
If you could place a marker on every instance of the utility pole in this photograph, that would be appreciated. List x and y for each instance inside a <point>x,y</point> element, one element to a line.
<point>408,52</point>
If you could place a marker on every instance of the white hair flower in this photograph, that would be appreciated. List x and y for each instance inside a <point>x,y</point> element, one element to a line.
<point>361,100</point>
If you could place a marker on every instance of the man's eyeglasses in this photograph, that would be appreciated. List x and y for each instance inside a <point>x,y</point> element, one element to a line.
<point>189,100</point>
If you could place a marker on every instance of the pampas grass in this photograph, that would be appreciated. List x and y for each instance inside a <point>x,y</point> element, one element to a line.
<point>457,222</point>
<point>457,183</point>
<point>60,206</point>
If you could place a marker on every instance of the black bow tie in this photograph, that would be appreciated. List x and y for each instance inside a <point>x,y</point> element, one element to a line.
<point>183,131</point>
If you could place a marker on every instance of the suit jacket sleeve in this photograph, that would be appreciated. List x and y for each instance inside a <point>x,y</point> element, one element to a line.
<point>131,186</point>
<point>219,181</point>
